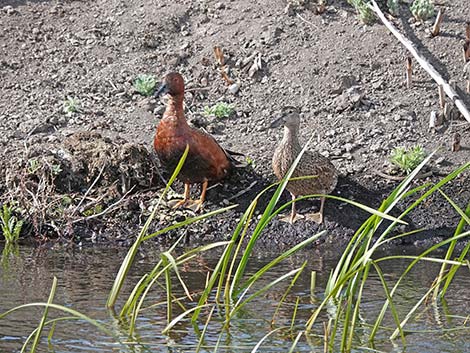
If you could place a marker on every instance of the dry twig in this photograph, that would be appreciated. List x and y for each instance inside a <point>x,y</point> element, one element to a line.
<point>437,25</point>
<point>107,210</point>
<point>409,72</point>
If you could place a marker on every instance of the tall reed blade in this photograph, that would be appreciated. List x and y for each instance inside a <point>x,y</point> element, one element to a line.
<point>44,316</point>
<point>129,259</point>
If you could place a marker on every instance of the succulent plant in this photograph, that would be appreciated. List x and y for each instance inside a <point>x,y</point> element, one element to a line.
<point>422,9</point>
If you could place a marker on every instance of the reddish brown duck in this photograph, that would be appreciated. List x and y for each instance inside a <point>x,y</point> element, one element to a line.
<point>310,164</point>
<point>206,160</point>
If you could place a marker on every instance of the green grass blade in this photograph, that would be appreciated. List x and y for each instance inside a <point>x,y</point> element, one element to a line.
<point>222,264</point>
<point>129,259</point>
<point>260,342</point>
<point>265,218</point>
<point>44,316</point>
<point>412,311</point>
<point>131,302</point>
<point>392,307</point>
<point>169,301</point>
<point>172,262</point>
<point>49,337</point>
<point>264,289</point>
<point>416,259</point>
<point>286,292</point>
<point>66,310</point>
<point>203,334</point>
<point>280,258</point>
<point>296,341</point>
<point>181,316</point>
<point>189,221</point>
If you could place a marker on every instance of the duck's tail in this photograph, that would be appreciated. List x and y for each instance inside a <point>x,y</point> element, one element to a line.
<point>235,162</point>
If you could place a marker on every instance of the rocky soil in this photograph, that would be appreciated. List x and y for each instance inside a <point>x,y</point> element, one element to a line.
<point>91,175</point>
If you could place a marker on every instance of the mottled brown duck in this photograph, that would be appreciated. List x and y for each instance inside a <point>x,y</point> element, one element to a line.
<point>324,174</point>
<point>206,161</point>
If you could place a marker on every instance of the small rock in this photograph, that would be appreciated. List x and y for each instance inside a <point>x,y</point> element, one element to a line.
<point>347,156</point>
<point>348,147</point>
<point>378,85</point>
<point>9,10</point>
<point>330,133</point>
<point>234,87</point>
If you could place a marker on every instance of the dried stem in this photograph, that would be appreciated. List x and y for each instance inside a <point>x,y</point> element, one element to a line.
<point>456,142</point>
<point>409,72</point>
<point>437,25</point>
<point>466,51</point>
<point>442,97</point>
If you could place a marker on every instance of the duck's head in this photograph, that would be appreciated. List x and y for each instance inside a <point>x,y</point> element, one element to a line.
<point>172,84</point>
<point>290,118</point>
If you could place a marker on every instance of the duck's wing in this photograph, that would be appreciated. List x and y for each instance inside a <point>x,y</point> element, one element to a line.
<point>228,153</point>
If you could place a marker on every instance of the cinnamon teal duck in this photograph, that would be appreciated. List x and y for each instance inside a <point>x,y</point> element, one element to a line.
<point>206,161</point>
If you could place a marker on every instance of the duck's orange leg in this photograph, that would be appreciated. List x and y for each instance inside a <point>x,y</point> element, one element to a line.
<point>197,205</point>
<point>186,200</point>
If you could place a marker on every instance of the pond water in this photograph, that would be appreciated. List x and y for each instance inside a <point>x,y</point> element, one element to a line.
<point>85,277</point>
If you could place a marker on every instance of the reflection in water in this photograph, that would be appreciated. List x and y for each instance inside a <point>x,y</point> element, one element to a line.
<point>85,277</point>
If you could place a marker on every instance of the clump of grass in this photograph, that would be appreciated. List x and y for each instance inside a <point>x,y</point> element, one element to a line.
<point>11,225</point>
<point>408,159</point>
<point>71,105</point>
<point>219,110</point>
<point>422,9</point>
<point>145,84</point>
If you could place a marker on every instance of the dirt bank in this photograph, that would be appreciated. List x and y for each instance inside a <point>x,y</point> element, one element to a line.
<point>91,175</point>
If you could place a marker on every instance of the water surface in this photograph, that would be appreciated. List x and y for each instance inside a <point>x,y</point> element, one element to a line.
<point>85,277</point>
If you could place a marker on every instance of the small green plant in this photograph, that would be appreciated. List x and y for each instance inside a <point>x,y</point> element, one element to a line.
<point>93,210</point>
<point>219,110</point>
<point>422,9</point>
<point>33,165</point>
<point>365,13</point>
<point>393,6</point>
<point>145,84</point>
<point>71,105</point>
<point>250,161</point>
<point>11,225</point>
<point>407,159</point>
<point>56,169</point>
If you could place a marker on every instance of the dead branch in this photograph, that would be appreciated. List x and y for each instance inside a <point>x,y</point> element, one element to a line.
<point>423,62</point>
